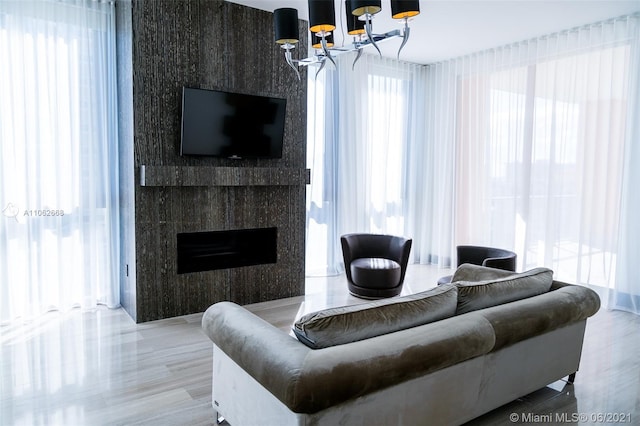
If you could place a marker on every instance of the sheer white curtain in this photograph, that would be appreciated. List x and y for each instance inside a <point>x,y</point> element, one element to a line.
<point>543,139</point>
<point>359,147</point>
<point>58,157</point>
<point>530,147</point>
<point>432,184</point>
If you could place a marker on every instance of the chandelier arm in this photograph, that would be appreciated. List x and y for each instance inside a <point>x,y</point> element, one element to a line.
<point>367,28</point>
<point>356,59</point>
<point>322,64</point>
<point>405,37</point>
<point>287,57</point>
<point>325,49</point>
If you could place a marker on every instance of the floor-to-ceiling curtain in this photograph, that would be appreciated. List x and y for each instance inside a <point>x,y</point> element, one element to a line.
<point>359,151</point>
<point>58,156</point>
<point>624,292</point>
<point>544,136</point>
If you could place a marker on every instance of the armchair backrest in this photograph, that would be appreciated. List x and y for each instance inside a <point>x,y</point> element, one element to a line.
<point>487,256</point>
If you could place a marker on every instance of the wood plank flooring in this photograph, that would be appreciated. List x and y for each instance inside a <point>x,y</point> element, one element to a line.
<point>100,368</point>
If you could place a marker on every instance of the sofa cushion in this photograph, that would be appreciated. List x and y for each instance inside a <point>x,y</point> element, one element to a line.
<point>471,272</point>
<point>346,324</point>
<point>496,288</point>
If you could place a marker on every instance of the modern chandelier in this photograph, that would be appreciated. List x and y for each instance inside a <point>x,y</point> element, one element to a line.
<point>322,23</point>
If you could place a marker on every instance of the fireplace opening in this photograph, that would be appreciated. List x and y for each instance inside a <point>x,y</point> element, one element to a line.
<point>207,251</point>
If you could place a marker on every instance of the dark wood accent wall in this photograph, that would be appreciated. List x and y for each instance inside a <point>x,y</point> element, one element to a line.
<point>212,45</point>
<point>126,175</point>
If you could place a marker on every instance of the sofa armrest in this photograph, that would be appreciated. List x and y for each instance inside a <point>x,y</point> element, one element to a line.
<point>269,355</point>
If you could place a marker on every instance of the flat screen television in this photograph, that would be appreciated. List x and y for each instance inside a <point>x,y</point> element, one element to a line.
<point>231,125</point>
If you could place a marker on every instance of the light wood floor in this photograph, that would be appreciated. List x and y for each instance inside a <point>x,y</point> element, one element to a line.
<point>99,367</point>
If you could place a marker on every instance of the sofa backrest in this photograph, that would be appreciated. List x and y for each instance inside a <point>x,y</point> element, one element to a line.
<point>533,316</point>
<point>472,288</point>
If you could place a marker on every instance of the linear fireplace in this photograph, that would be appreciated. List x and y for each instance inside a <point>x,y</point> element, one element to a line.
<point>206,251</point>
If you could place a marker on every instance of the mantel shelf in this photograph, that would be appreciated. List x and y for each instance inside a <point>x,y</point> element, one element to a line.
<point>222,176</point>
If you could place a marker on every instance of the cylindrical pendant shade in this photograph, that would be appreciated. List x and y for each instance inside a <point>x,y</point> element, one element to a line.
<point>285,23</point>
<point>401,9</point>
<point>322,16</point>
<point>360,7</point>
<point>354,25</point>
<point>316,42</point>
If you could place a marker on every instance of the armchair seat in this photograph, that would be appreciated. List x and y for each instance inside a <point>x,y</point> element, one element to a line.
<point>375,272</point>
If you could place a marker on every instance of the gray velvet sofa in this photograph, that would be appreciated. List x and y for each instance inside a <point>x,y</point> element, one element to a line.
<point>506,336</point>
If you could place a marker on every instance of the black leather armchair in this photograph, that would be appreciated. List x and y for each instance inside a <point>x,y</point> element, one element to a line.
<point>484,256</point>
<point>375,264</point>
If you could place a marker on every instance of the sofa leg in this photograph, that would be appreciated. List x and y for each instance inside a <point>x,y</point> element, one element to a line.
<point>219,418</point>
<point>571,378</point>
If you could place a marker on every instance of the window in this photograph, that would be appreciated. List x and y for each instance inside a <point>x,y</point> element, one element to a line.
<point>551,139</point>
<point>58,179</point>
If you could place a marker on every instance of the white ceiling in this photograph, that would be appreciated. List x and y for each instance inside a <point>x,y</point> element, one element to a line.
<point>451,28</point>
